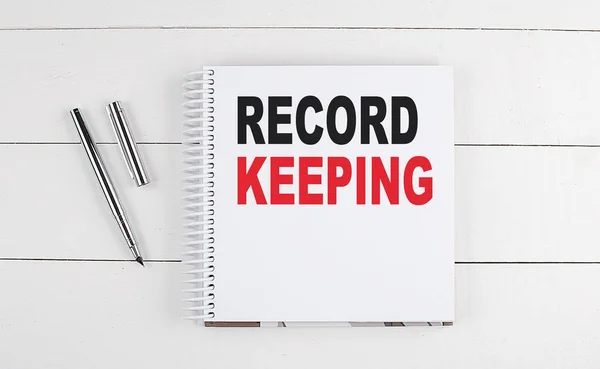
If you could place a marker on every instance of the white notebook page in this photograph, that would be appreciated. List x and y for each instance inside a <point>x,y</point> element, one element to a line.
<point>343,261</point>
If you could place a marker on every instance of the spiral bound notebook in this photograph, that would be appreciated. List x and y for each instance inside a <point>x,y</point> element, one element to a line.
<point>319,195</point>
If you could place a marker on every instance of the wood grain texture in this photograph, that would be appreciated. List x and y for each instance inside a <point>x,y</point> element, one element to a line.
<point>117,315</point>
<point>512,204</point>
<point>57,208</point>
<point>577,14</point>
<point>514,86</point>
<point>511,87</point>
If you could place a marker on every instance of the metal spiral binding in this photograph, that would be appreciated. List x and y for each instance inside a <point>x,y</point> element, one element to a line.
<point>199,193</point>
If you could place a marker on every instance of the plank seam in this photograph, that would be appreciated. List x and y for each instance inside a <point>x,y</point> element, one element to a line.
<point>179,261</point>
<point>77,143</point>
<point>90,260</point>
<point>41,143</point>
<point>332,28</point>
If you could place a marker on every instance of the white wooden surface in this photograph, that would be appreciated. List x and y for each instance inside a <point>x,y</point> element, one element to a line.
<point>538,14</point>
<point>512,87</point>
<point>527,178</point>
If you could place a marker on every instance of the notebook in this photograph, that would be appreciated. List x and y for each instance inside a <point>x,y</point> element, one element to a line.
<point>319,195</point>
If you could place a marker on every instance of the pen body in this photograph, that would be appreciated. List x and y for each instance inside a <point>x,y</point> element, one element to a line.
<point>105,182</point>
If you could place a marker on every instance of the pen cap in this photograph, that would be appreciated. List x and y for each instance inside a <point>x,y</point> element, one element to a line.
<point>127,143</point>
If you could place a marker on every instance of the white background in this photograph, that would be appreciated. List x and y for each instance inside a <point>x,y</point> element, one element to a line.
<point>527,178</point>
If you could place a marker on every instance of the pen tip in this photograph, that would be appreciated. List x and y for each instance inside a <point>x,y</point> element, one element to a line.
<point>140,260</point>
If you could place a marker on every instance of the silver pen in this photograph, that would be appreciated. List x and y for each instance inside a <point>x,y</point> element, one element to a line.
<point>107,186</point>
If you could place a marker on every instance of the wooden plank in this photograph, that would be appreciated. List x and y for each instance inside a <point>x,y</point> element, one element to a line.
<point>527,204</point>
<point>512,204</point>
<point>53,207</point>
<point>578,14</point>
<point>106,315</point>
<point>511,87</point>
